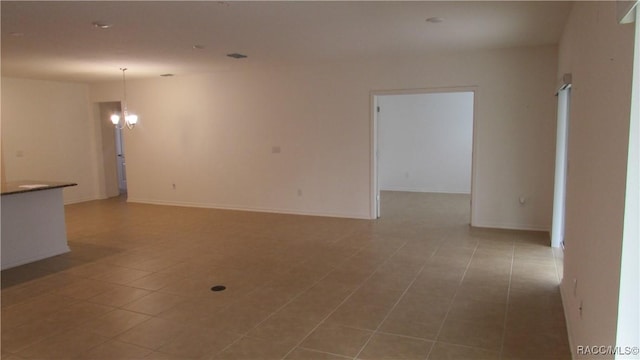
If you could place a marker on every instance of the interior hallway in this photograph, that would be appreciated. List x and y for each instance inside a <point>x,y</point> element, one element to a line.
<point>416,284</point>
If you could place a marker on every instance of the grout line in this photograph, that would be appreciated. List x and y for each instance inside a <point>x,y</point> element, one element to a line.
<point>455,295</point>
<point>345,300</point>
<point>322,352</point>
<point>247,295</point>
<point>403,336</point>
<point>506,310</point>
<point>292,300</point>
<point>376,331</point>
<point>469,347</point>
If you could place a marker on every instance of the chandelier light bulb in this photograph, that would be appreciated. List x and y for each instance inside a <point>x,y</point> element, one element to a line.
<point>130,120</point>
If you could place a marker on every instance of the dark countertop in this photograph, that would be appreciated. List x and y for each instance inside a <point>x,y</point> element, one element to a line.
<point>16,187</point>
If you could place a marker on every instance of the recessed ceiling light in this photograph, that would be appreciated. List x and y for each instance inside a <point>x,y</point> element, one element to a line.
<point>435,20</point>
<point>237,56</point>
<point>198,47</point>
<point>101,25</point>
<point>166,75</point>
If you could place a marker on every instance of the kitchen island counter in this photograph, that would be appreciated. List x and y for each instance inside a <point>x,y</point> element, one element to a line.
<point>33,224</point>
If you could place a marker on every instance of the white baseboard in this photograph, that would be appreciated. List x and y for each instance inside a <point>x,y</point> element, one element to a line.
<point>525,227</point>
<point>83,199</point>
<point>422,190</point>
<point>246,208</point>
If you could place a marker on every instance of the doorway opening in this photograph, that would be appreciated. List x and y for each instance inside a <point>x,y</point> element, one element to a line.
<point>113,155</point>
<point>422,142</point>
<point>120,161</point>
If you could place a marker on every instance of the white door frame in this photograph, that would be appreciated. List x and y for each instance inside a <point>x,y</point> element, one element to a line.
<point>561,168</point>
<point>375,185</point>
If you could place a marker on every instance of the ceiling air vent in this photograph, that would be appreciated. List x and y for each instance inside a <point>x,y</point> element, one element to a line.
<point>237,56</point>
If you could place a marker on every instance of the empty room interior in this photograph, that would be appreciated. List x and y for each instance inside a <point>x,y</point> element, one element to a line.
<point>320,180</point>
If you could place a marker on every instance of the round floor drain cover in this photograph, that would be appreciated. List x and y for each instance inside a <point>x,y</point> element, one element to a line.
<point>218,288</point>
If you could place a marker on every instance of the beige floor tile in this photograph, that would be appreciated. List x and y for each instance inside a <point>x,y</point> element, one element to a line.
<point>21,336</point>
<point>392,281</point>
<point>315,304</point>
<point>281,328</point>
<point>65,345</point>
<point>12,357</point>
<point>536,345</point>
<point>267,298</point>
<point>384,346</point>
<point>151,334</point>
<point>154,303</point>
<point>111,350</point>
<point>438,270</point>
<point>285,275</point>
<point>417,315</point>
<point>358,314</point>
<point>77,314</point>
<point>155,281</point>
<point>236,319</point>
<point>10,296</point>
<point>192,311</point>
<point>535,296</point>
<point>487,278</point>
<point>465,309</point>
<point>253,348</point>
<point>85,289</point>
<point>337,339</point>
<point>197,342</point>
<point>22,276</point>
<point>475,334</point>
<point>153,265</point>
<point>486,292</point>
<point>200,287</point>
<point>424,325</point>
<point>157,355</point>
<point>443,351</point>
<point>436,287</point>
<point>92,270</point>
<point>523,317</point>
<point>377,294</point>
<point>118,295</point>
<point>121,275</point>
<point>306,354</point>
<point>348,275</point>
<point>35,309</point>
<point>42,283</point>
<point>114,322</point>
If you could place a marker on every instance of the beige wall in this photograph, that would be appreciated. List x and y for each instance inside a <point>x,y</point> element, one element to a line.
<point>212,135</point>
<point>598,52</point>
<point>48,134</point>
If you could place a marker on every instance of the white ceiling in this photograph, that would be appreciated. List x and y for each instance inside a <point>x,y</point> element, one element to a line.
<point>56,39</point>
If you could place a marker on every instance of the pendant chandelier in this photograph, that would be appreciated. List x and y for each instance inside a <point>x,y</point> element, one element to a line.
<point>130,119</point>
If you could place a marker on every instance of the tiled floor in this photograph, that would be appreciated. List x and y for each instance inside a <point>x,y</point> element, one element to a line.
<point>415,284</point>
